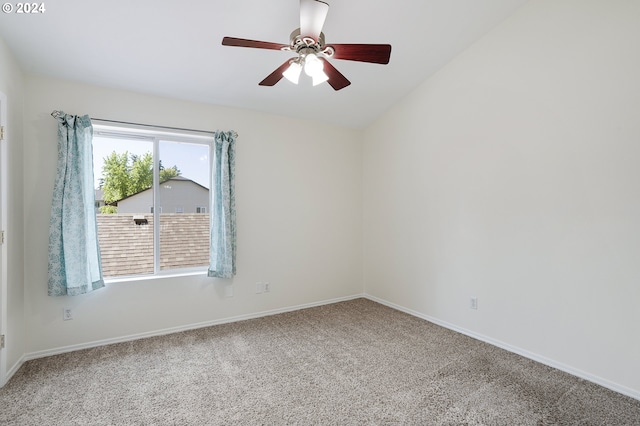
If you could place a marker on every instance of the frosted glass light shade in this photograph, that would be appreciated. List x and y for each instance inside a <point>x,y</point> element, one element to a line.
<point>319,77</point>
<point>293,72</point>
<point>312,65</point>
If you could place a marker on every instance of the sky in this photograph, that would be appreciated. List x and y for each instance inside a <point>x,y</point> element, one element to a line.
<point>191,159</point>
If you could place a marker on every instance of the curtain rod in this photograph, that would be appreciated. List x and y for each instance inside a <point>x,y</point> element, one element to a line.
<point>56,114</point>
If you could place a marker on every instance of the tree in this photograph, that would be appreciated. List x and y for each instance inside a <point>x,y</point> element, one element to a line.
<point>127,174</point>
<point>115,177</point>
<point>166,174</point>
<point>141,175</point>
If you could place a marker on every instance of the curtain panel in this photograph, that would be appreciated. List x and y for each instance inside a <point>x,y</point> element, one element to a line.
<point>222,253</point>
<point>74,254</point>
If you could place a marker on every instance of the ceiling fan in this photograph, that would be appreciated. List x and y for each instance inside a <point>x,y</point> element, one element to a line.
<point>309,44</point>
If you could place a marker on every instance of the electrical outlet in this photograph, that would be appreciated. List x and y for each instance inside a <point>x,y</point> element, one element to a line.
<point>473,303</point>
<point>267,287</point>
<point>259,288</point>
<point>67,314</point>
<point>228,291</point>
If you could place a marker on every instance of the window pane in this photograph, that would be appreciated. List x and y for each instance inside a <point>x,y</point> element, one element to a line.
<point>184,191</point>
<point>123,172</point>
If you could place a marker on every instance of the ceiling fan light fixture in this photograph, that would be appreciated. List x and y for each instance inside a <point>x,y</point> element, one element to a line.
<point>309,43</point>
<point>293,72</point>
<point>312,65</point>
<point>319,78</point>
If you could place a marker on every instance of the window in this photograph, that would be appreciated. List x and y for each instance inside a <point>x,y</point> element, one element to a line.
<point>163,179</point>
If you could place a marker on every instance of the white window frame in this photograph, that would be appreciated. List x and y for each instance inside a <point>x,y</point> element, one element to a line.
<point>155,134</point>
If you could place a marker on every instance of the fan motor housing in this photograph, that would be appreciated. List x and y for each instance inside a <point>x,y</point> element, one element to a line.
<point>298,42</point>
<point>305,45</point>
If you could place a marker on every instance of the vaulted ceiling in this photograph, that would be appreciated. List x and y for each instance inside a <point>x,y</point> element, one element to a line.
<point>173,49</point>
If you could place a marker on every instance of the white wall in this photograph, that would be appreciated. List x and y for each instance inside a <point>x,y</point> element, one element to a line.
<point>11,84</point>
<point>298,211</point>
<point>512,175</point>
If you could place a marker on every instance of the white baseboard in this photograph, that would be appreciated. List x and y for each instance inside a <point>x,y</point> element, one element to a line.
<point>527,354</point>
<point>96,343</point>
<point>13,370</point>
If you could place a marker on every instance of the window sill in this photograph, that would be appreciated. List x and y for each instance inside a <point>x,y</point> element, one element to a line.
<point>168,274</point>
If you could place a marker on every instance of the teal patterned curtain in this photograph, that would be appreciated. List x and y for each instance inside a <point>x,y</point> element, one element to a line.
<point>74,255</point>
<point>222,254</point>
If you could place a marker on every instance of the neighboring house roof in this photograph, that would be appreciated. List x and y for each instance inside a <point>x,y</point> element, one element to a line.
<point>127,248</point>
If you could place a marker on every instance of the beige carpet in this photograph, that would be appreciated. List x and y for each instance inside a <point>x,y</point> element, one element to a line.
<point>349,363</point>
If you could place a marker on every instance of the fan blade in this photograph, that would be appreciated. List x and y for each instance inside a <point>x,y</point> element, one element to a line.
<point>275,76</point>
<point>312,16</point>
<point>374,53</point>
<point>242,42</point>
<point>336,79</point>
